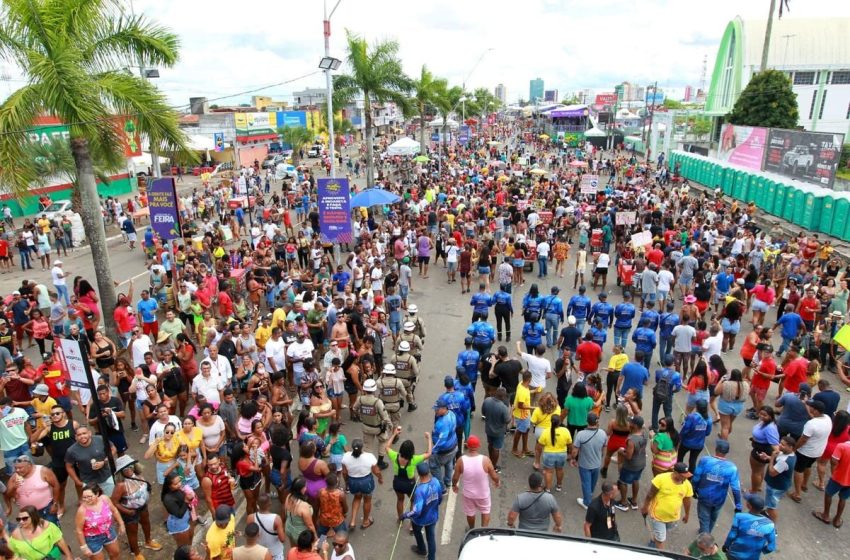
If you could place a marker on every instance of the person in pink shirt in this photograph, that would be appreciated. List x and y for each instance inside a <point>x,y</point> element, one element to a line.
<point>475,471</point>
<point>763,296</point>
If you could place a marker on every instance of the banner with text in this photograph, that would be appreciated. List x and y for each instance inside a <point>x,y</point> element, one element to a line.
<point>625,218</point>
<point>808,156</point>
<point>162,201</point>
<point>589,184</point>
<point>72,358</point>
<point>334,198</point>
<point>742,145</point>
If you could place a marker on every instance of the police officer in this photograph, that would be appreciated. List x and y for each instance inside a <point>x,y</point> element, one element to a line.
<point>375,420</point>
<point>418,324</point>
<point>392,392</point>
<point>481,302</point>
<point>460,406</point>
<point>504,309</point>
<point>624,314</point>
<point>645,341</point>
<point>467,361</point>
<point>483,336</point>
<point>409,335</point>
<point>407,370</point>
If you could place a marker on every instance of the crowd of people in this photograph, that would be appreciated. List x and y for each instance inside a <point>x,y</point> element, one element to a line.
<point>277,370</point>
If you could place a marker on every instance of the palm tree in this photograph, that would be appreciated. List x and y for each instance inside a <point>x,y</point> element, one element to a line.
<point>74,53</point>
<point>425,91</point>
<point>376,74</point>
<point>447,101</point>
<point>297,137</point>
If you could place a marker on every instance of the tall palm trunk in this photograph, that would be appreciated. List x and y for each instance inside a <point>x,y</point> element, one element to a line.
<point>370,159</point>
<point>95,233</point>
<point>422,149</point>
<point>445,136</point>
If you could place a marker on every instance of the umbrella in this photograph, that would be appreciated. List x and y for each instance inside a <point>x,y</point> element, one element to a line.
<point>539,172</point>
<point>374,197</point>
<point>494,143</point>
<point>544,136</point>
<point>421,159</point>
<point>578,163</point>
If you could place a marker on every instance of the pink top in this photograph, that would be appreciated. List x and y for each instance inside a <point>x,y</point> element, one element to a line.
<point>98,522</point>
<point>475,480</point>
<point>34,491</point>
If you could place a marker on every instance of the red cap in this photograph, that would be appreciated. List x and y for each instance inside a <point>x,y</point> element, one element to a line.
<point>472,442</point>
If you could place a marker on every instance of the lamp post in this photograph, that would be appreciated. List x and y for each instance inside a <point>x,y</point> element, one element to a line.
<point>327,64</point>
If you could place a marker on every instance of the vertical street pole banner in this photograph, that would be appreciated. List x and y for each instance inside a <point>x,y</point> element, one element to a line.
<point>218,139</point>
<point>72,357</point>
<point>162,201</point>
<point>334,198</point>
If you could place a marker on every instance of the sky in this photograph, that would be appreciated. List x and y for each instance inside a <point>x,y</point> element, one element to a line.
<point>572,45</point>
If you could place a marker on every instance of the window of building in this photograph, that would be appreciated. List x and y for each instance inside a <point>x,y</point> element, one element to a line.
<point>812,106</point>
<point>728,69</point>
<point>822,103</point>
<point>842,77</point>
<point>804,78</point>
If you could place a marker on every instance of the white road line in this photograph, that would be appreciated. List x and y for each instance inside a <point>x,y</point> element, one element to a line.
<point>448,519</point>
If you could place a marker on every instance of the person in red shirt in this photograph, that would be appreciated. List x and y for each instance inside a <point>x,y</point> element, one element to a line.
<point>588,354</point>
<point>56,377</point>
<point>655,255</point>
<point>839,483</point>
<point>123,321</point>
<point>225,304</point>
<point>763,374</point>
<point>808,307</point>
<point>5,263</point>
<point>794,372</point>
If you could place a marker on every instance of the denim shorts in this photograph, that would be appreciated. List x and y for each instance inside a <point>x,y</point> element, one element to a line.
<point>97,542</point>
<point>176,525</point>
<point>759,305</point>
<point>730,408</point>
<point>833,488</point>
<point>362,484</point>
<point>336,461</point>
<point>628,476</point>
<point>523,425</point>
<point>497,442</point>
<point>483,270</point>
<point>659,529</point>
<point>554,460</point>
<point>729,327</point>
<point>699,395</point>
<point>452,266</point>
<point>772,497</point>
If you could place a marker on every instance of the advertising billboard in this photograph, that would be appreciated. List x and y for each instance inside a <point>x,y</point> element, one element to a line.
<point>334,200</point>
<point>808,156</point>
<point>742,146</point>
<point>605,99</point>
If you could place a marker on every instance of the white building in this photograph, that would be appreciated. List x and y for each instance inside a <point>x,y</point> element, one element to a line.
<point>501,93</point>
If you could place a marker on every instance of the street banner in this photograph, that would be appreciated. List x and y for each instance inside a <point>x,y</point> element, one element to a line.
<point>128,131</point>
<point>742,146</point>
<point>435,137</point>
<point>463,134</point>
<point>72,359</point>
<point>625,218</point>
<point>334,198</point>
<point>812,157</point>
<point>641,239</point>
<point>218,138</point>
<point>162,201</point>
<point>589,184</point>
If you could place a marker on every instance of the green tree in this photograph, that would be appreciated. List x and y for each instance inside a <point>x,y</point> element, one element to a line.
<point>374,72</point>
<point>447,101</point>
<point>74,53</point>
<point>671,103</point>
<point>701,126</point>
<point>297,137</point>
<point>572,100</point>
<point>426,89</point>
<point>768,101</point>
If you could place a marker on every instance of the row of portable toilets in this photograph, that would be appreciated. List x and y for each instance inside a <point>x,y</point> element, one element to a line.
<point>808,206</point>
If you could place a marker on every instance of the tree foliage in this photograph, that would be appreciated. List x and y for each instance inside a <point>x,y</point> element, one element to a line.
<point>426,89</point>
<point>297,137</point>
<point>768,100</point>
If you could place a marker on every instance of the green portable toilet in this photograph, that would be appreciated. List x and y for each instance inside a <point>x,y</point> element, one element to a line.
<point>812,203</point>
<point>742,184</point>
<point>715,175</point>
<point>779,201</point>
<point>727,182</point>
<point>827,211</point>
<point>706,174</point>
<point>839,218</point>
<point>792,198</point>
<point>758,190</point>
<point>769,195</point>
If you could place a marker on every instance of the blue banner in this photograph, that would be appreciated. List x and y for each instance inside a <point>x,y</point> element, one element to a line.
<point>435,137</point>
<point>334,199</point>
<point>164,214</point>
<point>463,134</point>
<point>218,138</point>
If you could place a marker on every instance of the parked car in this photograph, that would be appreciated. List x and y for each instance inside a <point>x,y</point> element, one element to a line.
<point>315,151</point>
<point>57,208</point>
<point>272,161</point>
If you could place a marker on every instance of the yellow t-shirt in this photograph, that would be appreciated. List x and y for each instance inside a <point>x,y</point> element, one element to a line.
<point>44,225</point>
<point>262,335</point>
<point>523,395</point>
<point>450,218</point>
<point>192,440</point>
<point>166,451</point>
<point>43,408</point>
<point>667,504</point>
<point>562,440</point>
<point>825,251</point>
<point>542,420</point>
<point>279,318</point>
<point>617,362</point>
<point>221,542</point>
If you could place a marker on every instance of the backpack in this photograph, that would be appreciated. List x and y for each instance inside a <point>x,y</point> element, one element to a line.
<point>661,391</point>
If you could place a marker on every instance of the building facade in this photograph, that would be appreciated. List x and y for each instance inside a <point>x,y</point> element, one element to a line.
<point>501,93</point>
<point>550,95</point>
<point>535,90</point>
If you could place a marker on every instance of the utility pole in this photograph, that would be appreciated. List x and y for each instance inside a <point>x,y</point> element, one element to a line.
<point>157,172</point>
<point>649,129</point>
<point>767,31</point>
<point>329,86</point>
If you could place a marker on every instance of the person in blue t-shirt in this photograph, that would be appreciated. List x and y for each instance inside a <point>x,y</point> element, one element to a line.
<point>147,308</point>
<point>722,283</point>
<point>341,278</point>
<point>649,316</point>
<point>579,307</point>
<point>624,314</point>
<point>633,376</point>
<point>504,310</point>
<point>533,334</point>
<point>602,310</point>
<point>459,405</point>
<point>669,321</point>
<point>752,533</point>
<point>599,333</point>
<point>674,385</point>
<point>393,304</point>
<point>481,302</point>
<point>791,324</point>
<point>695,429</point>
<point>425,511</point>
<point>714,476</point>
<point>645,340</point>
<point>467,360</point>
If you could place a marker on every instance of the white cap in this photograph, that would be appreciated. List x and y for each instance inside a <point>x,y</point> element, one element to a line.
<point>409,326</point>
<point>369,386</point>
<point>404,346</point>
<point>57,262</point>
<point>412,308</point>
<point>571,320</point>
<point>389,369</point>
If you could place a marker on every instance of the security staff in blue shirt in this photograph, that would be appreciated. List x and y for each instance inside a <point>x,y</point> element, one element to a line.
<point>553,313</point>
<point>752,533</point>
<point>650,314</point>
<point>668,321</point>
<point>532,304</point>
<point>645,341</point>
<point>602,310</point>
<point>442,458</point>
<point>713,478</point>
<point>579,307</point>
<point>532,334</point>
<point>459,405</point>
<point>467,361</point>
<point>425,511</point>
<point>599,333</point>
<point>503,305</point>
<point>624,314</point>
<point>483,336</point>
<point>481,302</point>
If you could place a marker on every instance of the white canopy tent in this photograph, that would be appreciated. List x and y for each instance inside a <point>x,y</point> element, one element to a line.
<point>404,147</point>
<point>438,123</point>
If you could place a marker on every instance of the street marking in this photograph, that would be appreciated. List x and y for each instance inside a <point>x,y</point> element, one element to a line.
<point>448,519</point>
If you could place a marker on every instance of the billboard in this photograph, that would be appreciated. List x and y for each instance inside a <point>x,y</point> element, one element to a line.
<point>742,145</point>
<point>164,214</point>
<point>605,99</point>
<point>255,123</point>
<point>656,98</point>
<point>334,200</point>
<point>292,119</point>
<point>463,134</point>
<point>812,157</point>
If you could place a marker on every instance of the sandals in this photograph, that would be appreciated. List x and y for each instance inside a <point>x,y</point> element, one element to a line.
<point>368,523</point>
<point>818,486</point>
<point>517,455</point>
<point>837,523</point>
<point>817,515</point>
<point>797,499</point>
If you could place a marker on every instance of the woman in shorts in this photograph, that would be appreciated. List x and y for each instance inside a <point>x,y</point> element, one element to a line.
<point>404,463</point>
<point>519,264</point>
<point>98,523</point>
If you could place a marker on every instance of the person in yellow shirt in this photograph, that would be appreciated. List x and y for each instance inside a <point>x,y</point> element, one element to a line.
<point>663,504</point>
<point>44,224</point>
<point>615,365</point>
<point>263,332</point>
<point>42,403</point>
<point>522,415</point>
<point>554,444</point>
<point>825,253</point>
<point>221,536</point>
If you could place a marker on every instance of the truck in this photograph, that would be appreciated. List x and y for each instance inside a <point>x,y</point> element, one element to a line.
<point>799,157</point>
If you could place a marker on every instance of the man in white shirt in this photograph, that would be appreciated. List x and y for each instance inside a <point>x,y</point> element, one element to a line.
<point>297,352</point>
<point>810,445</point>
<point>219,365</point>
<point>665,284</point>
<point>276,352</point>
<point>713,344</point>
<point>59,281</point>
<point>208,384</point>
<point>543,249</point>
<point>140,344</point>
<point>540,368</point>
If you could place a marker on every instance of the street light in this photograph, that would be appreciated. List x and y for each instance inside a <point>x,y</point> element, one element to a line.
<point>327,64</point>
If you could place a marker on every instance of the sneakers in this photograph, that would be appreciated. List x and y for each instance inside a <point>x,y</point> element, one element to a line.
<point>580,502</point>
<point>558,488</point>
<point>383,465</point>
<point>411,407</point>
<point>153,545</point>
<point>633,504</point>
<point>134,427</point>
<point>621,506</point>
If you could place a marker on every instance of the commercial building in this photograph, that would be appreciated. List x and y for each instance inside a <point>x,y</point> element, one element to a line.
<point>501,93</point>
<point>814,53</point>
<point>689,94</point>
<point>310,97</point>
<point>535,90</point>
<point>550,95</point>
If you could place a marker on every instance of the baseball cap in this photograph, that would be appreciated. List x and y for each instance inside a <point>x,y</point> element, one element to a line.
<point>817,405</point>
<point>223,513</point>
<point>442,402</point>
<point>682,469</point>
<point>637,421</point>
<point>448,381</point>
<point>721,446</point>
<point>472,442</point>
<point>423,468</point>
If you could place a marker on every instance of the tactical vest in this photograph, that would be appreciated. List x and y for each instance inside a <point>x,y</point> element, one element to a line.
<point>417,329</point>
<point>369,414</point>
<point>403,367</point>
<point>388,391</point>
<point>409,338</point>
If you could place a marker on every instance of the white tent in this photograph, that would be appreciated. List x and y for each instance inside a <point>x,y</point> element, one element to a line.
<point>438,123</point>
<point>404,147</point>
<point>595,133</point>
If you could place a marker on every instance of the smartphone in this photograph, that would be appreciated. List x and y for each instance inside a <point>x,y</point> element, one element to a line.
<point>322,540</point>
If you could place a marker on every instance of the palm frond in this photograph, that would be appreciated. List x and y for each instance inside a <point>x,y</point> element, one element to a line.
<point>130,41</point>
<point>17,114</point>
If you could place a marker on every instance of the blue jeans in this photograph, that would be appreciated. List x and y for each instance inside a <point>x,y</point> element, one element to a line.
<point>665,346</point>
<point>443,466</point>
<point>786,342</point>
<point>707,515</point>
<point>62,291</point>
<point>430,537</point>
<point>580,324</point>
<point>657,406</point>
<point>621,336</point>
<point>553,321</point>
<point>588,478</point>
<point>542,264</point>
<point>647,359</point>
<point>25,259</point>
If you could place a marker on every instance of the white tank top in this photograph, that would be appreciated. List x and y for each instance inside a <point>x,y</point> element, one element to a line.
<point>268,536</point>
